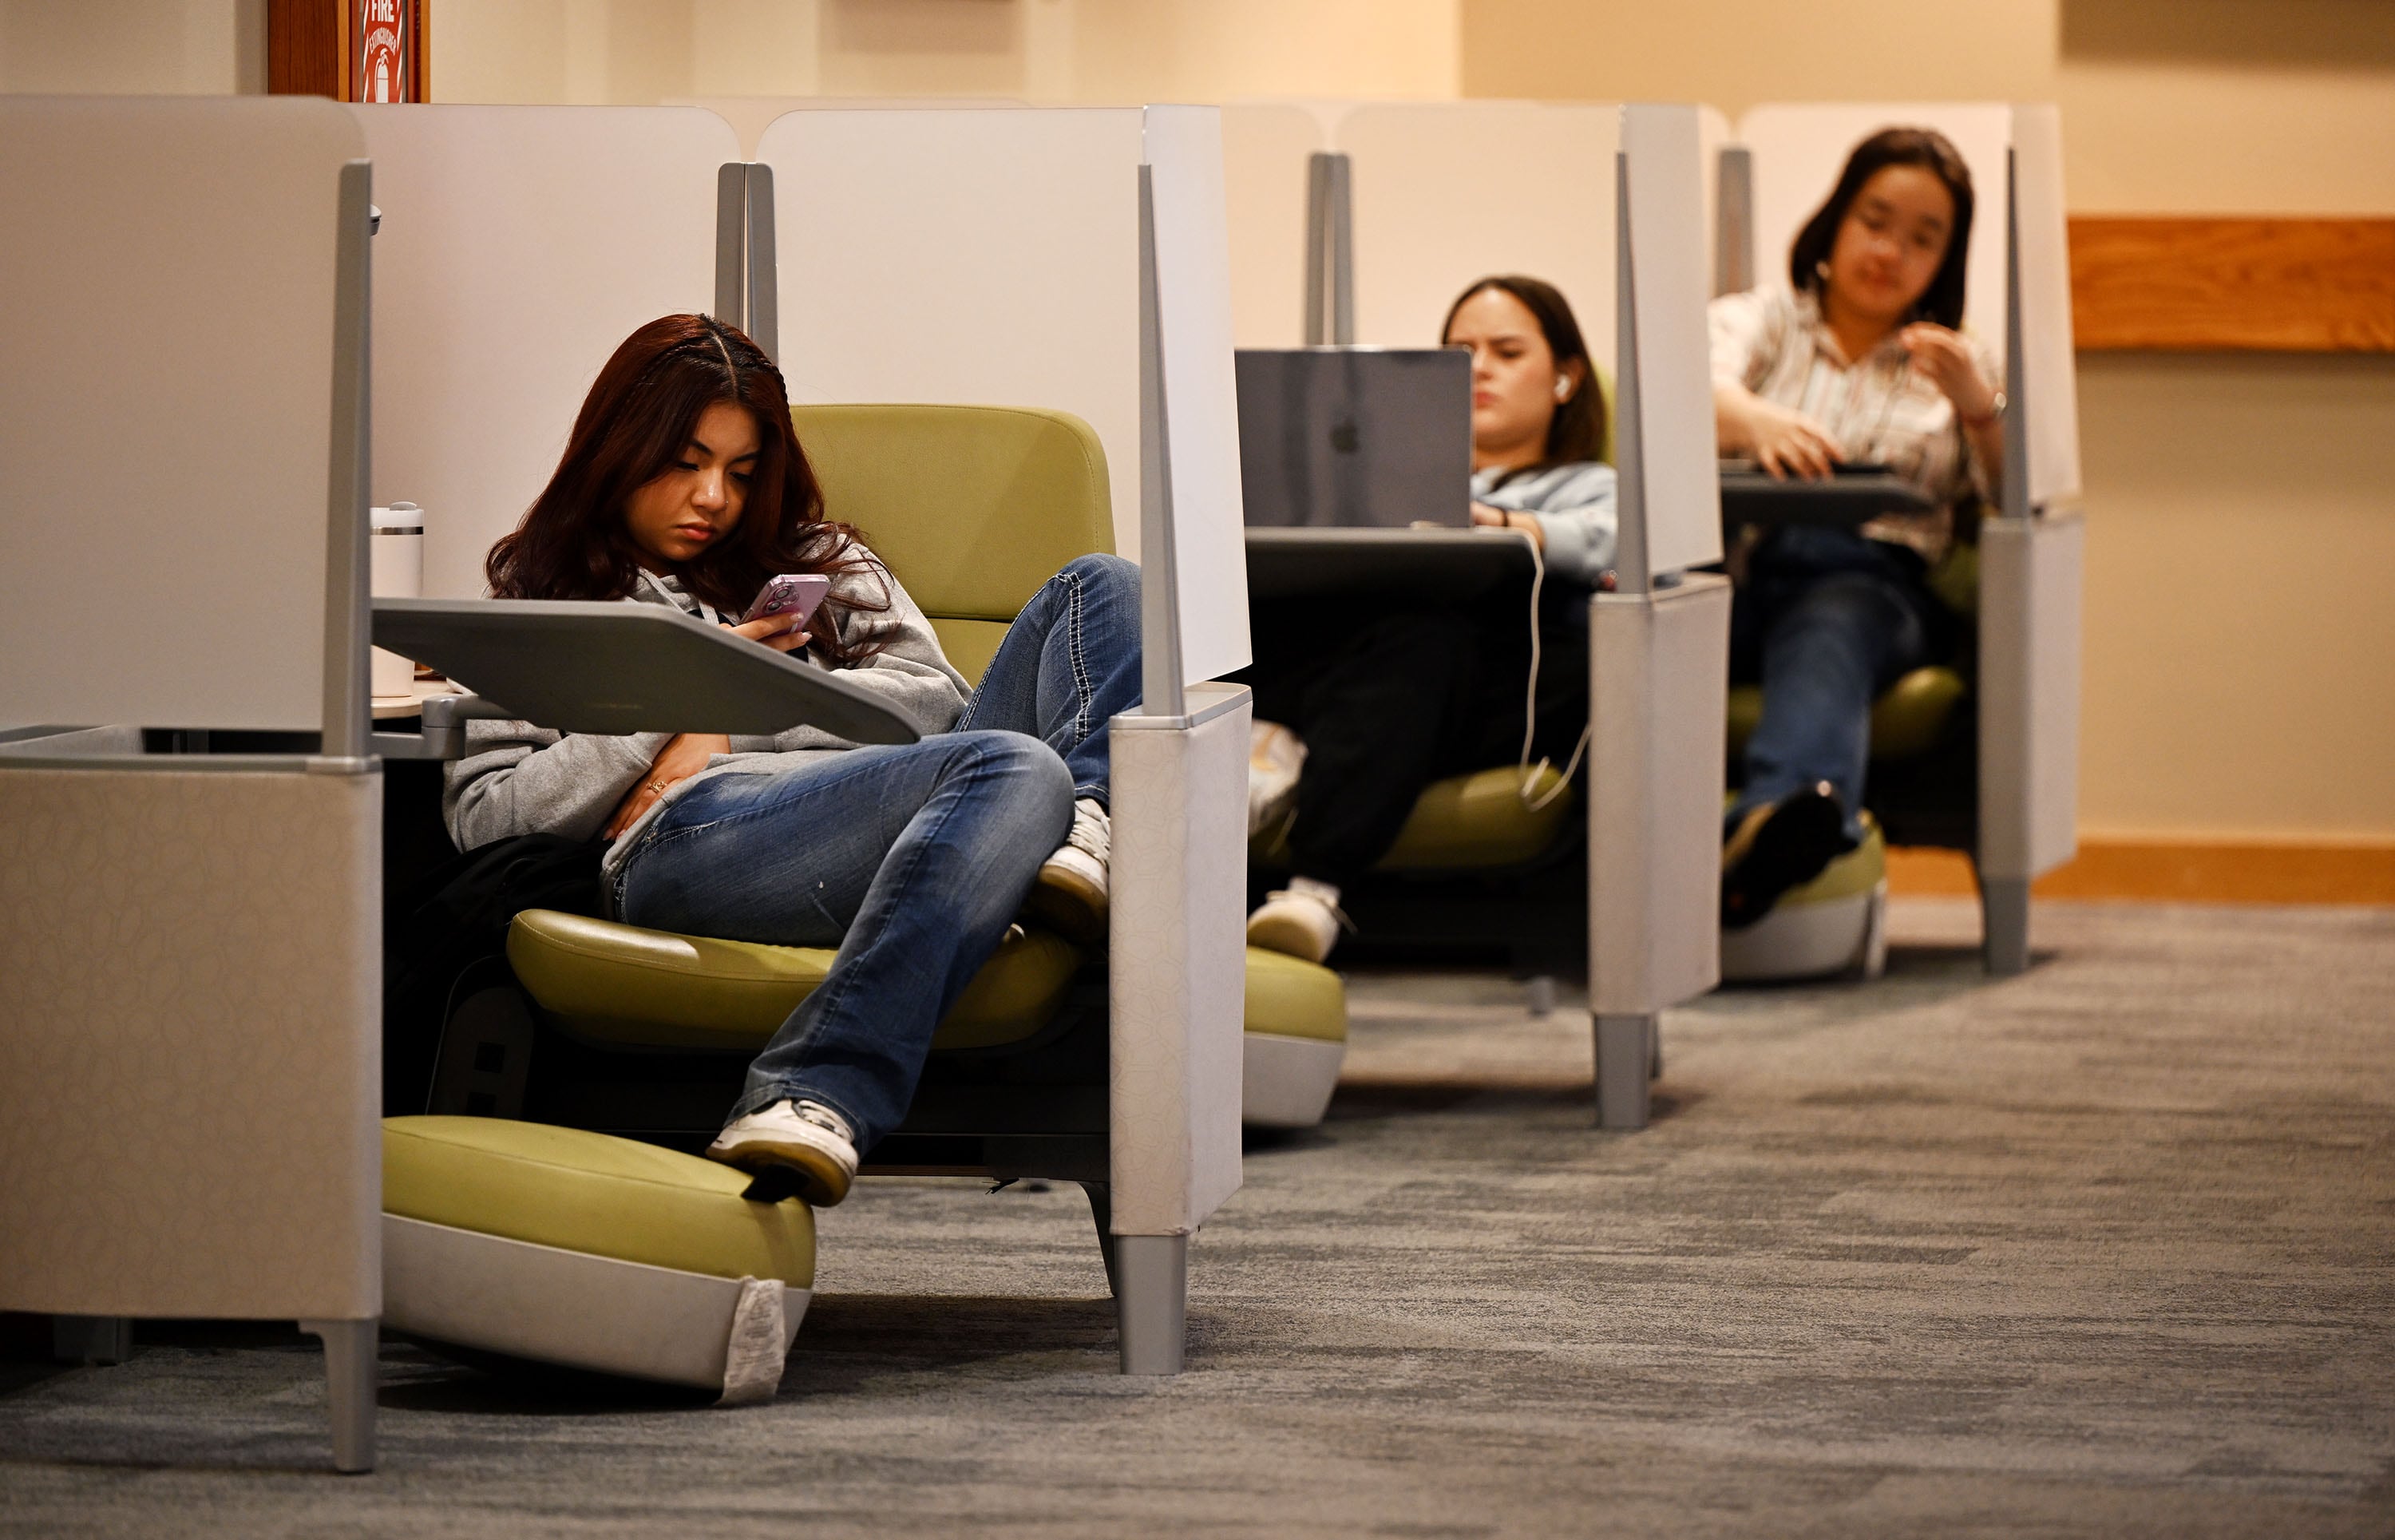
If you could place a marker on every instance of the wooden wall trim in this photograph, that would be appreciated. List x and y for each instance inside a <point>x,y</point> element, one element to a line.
<point>2185,871</point>
<point>304,49</point>
<point>2274,285</point>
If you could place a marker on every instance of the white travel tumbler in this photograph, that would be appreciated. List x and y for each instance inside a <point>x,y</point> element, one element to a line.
<point>398,573</point>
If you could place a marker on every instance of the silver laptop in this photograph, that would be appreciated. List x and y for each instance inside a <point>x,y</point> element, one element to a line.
<point>1355,437</point>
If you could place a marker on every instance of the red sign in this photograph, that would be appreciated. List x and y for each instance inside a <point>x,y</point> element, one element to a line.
<point>379,27</point>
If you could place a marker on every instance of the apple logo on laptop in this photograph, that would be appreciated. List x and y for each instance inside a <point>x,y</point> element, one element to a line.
<point>1344,438</point>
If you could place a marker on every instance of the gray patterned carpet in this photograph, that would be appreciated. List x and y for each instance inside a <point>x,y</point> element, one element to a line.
<point>2108,1249</point>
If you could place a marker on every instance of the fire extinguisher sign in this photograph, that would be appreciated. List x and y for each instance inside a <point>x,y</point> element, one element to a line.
<point>381,33</point>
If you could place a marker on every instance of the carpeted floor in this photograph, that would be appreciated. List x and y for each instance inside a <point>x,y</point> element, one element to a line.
<point>2107,1249</point>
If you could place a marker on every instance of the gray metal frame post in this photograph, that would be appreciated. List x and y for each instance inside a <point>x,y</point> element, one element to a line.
<point>1151,1272</point>
<point>348,609</point>
<point>763,315</point>
<point>731,241</point>
<point>1159,620</point>
<point>1152,1301</point>
<point>1734,220</point>
<point>1329,250</point>
<point>353,1377</point>
<point>1625,1044</point>
<point>2004,901</point>
<point>746,291</point>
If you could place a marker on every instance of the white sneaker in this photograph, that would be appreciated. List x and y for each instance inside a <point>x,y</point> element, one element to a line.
<point>804,1140</point>
<point>1070,893</point>
<point>1301,921</point>
<point>1275,757</point>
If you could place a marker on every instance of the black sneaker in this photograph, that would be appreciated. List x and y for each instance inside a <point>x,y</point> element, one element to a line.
<point>1779,847</point>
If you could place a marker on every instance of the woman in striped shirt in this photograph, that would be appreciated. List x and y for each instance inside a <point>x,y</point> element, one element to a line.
<point>1860,360</point>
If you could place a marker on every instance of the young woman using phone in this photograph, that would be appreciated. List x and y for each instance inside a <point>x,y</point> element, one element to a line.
<point>1861,359</point>
<point>683,484</point>
<point>1360,707</point>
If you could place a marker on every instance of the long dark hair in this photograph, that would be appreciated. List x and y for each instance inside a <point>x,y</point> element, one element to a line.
<point>1577,431</point>
<point>633,427</point>
<point>1928,149</point>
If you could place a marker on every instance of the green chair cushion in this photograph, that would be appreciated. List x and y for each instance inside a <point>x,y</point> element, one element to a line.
<point>1464,823</point>
<point>1461,825</point>
<point>1481,819</point>
<point>591,1193</point>
<point>1858,871</point>
<point>1289,997</point>
<point>1910,718</point>
<point>973,507</point>
<point>619,984</point>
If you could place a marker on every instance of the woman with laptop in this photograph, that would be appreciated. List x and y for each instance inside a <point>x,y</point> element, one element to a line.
<point>1860,360</point>
<point>1359,707</point>
<point>684,485</point>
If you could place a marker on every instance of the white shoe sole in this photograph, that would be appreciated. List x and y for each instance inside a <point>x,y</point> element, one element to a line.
<point>1067,902</point>
<point>821,1177</point>
<point>1289,936</point>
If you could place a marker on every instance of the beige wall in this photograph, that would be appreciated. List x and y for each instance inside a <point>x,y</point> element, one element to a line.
<point>1034,50</point>
<point>152,47</point>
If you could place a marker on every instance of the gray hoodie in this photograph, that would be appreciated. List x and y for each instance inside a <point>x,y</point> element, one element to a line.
<point>517,778</point>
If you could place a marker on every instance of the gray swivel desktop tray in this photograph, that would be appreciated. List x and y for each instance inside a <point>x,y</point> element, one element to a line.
<point>591,667</point>
<point>1855,494</point>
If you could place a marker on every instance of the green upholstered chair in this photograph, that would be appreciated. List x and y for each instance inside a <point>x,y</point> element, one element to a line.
<point>645,1034</point>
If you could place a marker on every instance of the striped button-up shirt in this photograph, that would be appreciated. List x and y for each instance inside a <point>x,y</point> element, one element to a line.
<point>1880,409</point>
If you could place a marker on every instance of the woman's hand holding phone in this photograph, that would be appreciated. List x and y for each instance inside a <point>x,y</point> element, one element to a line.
<point>783,633</point>
<point>683,756</point>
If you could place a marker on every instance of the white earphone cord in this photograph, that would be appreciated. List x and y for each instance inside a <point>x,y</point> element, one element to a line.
<point>1530,699</point>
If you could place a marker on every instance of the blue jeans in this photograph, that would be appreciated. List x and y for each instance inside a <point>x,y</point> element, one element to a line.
<point>912,860</point>
<point>1827,619</point>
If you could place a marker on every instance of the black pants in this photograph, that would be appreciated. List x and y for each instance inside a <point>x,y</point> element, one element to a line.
<point>1389,700</point>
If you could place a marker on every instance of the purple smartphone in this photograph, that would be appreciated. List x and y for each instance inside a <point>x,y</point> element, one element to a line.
<point>801,592</point>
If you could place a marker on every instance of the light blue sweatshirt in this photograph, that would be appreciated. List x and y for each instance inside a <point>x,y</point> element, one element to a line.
<point>1574,505</point>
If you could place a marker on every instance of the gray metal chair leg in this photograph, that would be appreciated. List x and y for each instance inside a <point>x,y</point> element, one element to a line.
<point>91,1339</point>
<point>1102,1210</point>
<point>353,1375</point>
<point>1152,1301</point>
<point>2003,911</point>
<point>1625,1058</point>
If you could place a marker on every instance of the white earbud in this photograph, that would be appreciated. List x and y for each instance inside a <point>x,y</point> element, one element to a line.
<point>1563,387</point>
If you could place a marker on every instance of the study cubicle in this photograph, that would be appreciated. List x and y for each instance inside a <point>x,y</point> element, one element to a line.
<point>1980,752</point>
<point>1358,223</point>
<point>1085,340</point>
<point>189,940</point>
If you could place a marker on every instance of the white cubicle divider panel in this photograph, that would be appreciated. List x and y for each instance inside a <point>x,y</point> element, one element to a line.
<point>1799,150</point>
<point>201,495</point>
<point>2044,368</point>
<point>991,257</point>
<point>1673,487</point>
<point>963,257</point>
<point>1266,150</point>
<point>751,115</point>
<point>519,247</point>
<point>1183,147</point>
<point>1446,193</point>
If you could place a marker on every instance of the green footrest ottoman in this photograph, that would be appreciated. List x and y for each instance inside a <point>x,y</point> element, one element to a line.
<point>1296,1039</point>
<point>1835,923</point>
<point>578,1249</point>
